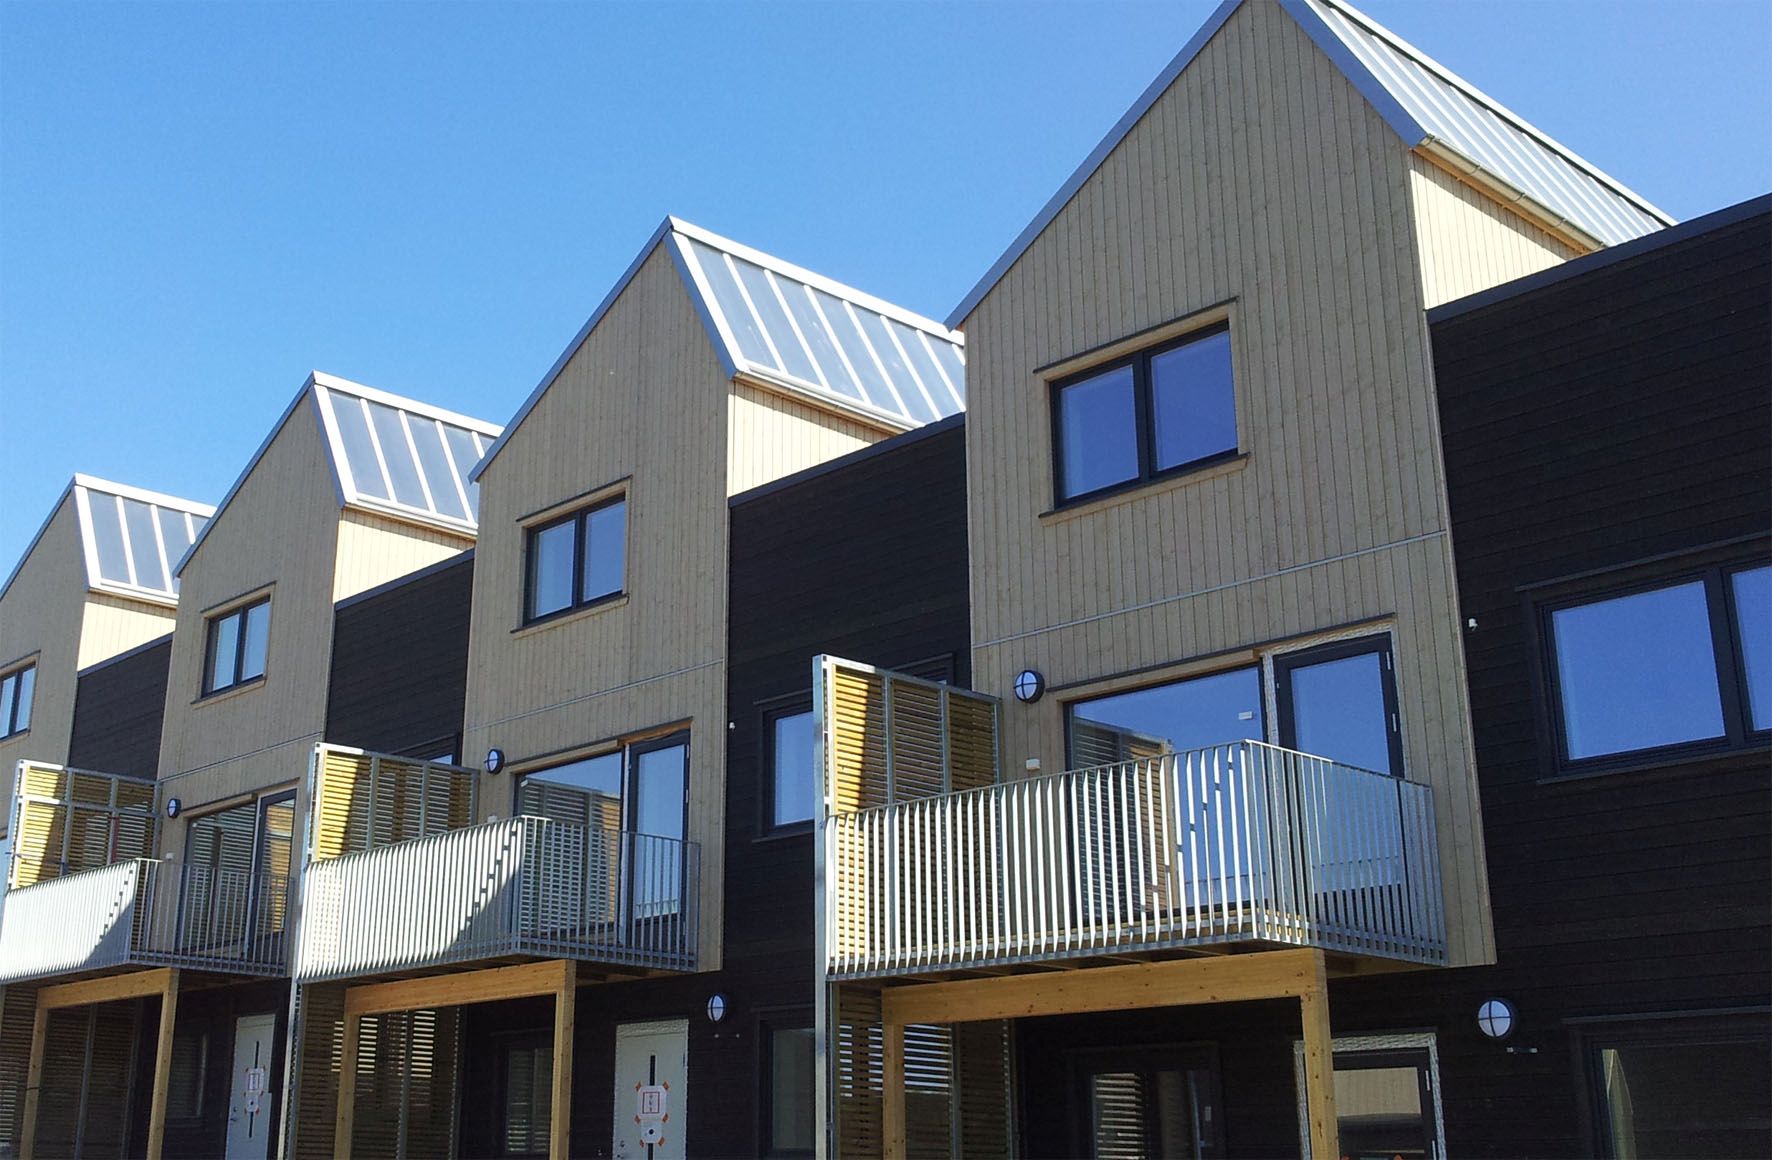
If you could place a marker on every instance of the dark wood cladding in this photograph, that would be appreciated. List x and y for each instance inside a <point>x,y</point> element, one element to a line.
<point>119,707</point>
<point>400,662</point>
<point>864,558</point>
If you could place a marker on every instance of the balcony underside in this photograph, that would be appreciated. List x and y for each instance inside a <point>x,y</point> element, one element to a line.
<point>593,964</point>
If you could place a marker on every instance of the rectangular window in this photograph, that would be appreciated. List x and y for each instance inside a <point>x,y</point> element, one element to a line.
<point>1386,1096</point>
<point>1339,701</point>
<point>16,689</point>
<point>789,1073</point>
<point>237,646</point>
<point>1686,1087</point>
<point>1195,713</point>
<point>1684,665</point>
<point>790,780</point>
<point>1156,412</point>
<point>577,560</point>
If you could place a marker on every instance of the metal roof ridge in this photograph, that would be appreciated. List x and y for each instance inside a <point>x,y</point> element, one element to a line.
<point>129,491</point>
<point>1356,16</point>
<point>402,402</point>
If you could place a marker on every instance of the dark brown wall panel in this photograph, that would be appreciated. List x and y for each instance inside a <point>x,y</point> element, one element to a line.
<point>118,710</point>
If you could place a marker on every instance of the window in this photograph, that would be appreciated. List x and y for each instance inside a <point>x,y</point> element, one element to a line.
<point>188,1074</point>
<point>791,783</point>
<point>1682,665</point>
<point>235,652</point>
<point>1681,1087</point>
<point>526,1079</point>
<point>1387,1103</point>
<point>1154,1101</point>
<point>1156,412</point>
<point>1337,701</point>
<point>16,689</point>
<point>789,1074</point>
<point>578,560</point>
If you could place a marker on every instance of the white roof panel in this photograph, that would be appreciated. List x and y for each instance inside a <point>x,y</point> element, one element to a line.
<point>133,539</point>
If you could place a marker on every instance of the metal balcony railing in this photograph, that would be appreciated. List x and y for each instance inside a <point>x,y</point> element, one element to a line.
<point>1238,843</point>
<point>145,912</point>
<point>522,886</point>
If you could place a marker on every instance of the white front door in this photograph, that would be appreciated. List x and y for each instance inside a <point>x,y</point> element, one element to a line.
<point>651,1083</point>
<point>251,1110</point>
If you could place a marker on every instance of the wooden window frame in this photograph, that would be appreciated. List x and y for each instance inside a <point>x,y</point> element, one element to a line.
<point>1143,411</point>
<point>211,628</point>
<point>9,712</point>
<point>1728,660</point>
<point>577,519</point>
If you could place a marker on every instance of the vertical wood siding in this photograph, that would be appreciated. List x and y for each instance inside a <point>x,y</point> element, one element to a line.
<point>41,613</point>
<point>112,625</point>
<point>1468,242</point>
<point>374,549</point>
<point>642,398</point>
<point>1261,179</point>
<point>769,435</point>
<point>118,711</point>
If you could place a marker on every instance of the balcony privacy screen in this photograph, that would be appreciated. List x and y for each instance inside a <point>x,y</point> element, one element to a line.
<point>68,820</point>
<point>362,801</point>
<point>892,738</point>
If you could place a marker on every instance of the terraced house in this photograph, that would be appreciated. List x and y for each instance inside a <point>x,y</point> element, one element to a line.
<point>1279,671</point>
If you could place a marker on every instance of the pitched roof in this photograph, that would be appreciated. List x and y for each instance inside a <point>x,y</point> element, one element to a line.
<point>388,454</point>
<point>798,331</point>
<point>1428,106</point>
<point>131,539</point>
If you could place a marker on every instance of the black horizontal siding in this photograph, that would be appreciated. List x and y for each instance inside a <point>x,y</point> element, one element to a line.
<point>119,708</point>
<point>400,662</point>
<point>1607,419</point>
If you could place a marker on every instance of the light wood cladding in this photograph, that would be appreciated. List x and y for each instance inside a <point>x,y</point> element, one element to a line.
<point>1468,242</point>
<point>643,398</point>
<point>374,549</point>
<point>112,625</point>
<point>769,435</point>
<point>1260,179</point>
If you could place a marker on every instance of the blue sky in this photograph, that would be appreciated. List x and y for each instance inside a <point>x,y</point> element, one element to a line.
<point>201,202</point>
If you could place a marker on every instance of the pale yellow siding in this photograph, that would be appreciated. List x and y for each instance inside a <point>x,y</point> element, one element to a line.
<point>115,624</point>
<point>40,616</point>
<point>374,549</point>
<point>769,435</point>
<point>1469,242</point>
<point>643,399</point>
<point>1261,180</point>
<point>277,533</point>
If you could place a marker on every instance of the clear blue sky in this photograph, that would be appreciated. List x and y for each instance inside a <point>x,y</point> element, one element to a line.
<point>201,202</point>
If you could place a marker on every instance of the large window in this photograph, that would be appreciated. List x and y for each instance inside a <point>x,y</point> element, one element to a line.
<point>237,642</point>
<point>1679,1088</point>
<point>789,1078</point>
<point>1337,701</point>
<point>1684,665</point>
<point>16,689</point>
<point>578,560</point>
<point>1387,1103</point>
<point>1156,412</point>
<point>791,783</point>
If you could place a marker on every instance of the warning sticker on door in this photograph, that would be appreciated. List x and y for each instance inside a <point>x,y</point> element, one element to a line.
<point>652,1109</point>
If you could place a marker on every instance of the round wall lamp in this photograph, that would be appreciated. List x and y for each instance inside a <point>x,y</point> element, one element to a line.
<point>1030,686</point>
<point>495,760</point>
<point>173,806</point>
<point>1495,1018</point>
<point>716,1007</point>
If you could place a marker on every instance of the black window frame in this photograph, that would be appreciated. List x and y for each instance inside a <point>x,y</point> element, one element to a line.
<point>1728,656</point>
<point>768,713</point>
<point>770,1021</point>
<point>212,627</point>
<point>1143,410</point>
<point>1286,724</point>
<point>9,713</point>
<point>577,518</point>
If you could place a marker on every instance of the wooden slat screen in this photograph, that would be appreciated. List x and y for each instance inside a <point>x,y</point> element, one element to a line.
<point>67,820</point>
<point>957,1085</point>
<point>364,800</point>
<point>319,1024</point>
<point>18,1010</point>
<point>111,1053</point>
<point>893,737</point>
<point>406,1083</point>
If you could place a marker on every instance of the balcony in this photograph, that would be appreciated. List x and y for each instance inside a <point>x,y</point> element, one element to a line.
<point>1244,845</point>
<point>523,887</point>
<point>145,913</point>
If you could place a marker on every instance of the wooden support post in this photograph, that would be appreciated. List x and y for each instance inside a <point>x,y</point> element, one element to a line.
<point>892,1127</point>
<point>1319,1069</point>
<point>162,1064</point>
<point>347,1088</point>
<point>27,1147</point>
<point>560,1110</point>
